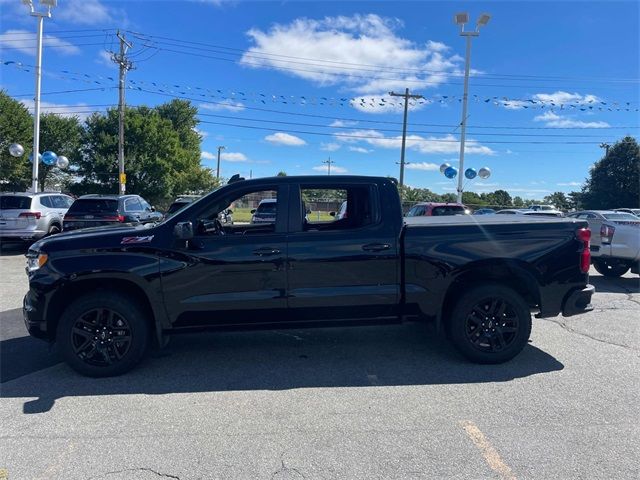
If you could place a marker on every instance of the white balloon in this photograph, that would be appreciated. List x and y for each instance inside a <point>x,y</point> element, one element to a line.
<point>484,173</point>
<point>443,167</point>
<point>16,150</point>
<point>63,162</point>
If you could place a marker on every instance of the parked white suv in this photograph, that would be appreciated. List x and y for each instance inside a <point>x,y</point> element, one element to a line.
<point>30,216</point>
<point>615,241</point>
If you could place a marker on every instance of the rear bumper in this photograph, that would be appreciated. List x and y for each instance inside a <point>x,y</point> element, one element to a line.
<point>23,234</point>
<point>578,301</point>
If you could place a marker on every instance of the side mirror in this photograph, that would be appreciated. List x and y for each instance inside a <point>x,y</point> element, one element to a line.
<point>253,211</point>
<point>153,209</point>
<point>229,211</point>
<point>183,230</point>
<point>333,214</point>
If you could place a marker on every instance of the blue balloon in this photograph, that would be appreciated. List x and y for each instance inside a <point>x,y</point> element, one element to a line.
<point>470,173</point>
<point>450,172</point>
<point>31,157</point>
<point>49,158</point>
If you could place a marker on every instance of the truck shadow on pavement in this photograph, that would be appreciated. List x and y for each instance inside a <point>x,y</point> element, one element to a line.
<point>278,360</point>
<point>615,285</point>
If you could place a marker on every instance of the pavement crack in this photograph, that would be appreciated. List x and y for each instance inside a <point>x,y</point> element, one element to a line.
<point>285,472</point>
<point>139,469</point>
<point>582,334</point>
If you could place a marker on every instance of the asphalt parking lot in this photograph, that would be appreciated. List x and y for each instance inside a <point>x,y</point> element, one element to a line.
<point>372,403</point>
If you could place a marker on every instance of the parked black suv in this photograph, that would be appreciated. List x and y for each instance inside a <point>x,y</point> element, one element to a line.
<point>98,210</point>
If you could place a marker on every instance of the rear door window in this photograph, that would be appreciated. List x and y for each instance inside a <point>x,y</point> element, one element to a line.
<point>46,202</point>
<point>447,210</point>
<point>15,202</point>
<point>132,205</point>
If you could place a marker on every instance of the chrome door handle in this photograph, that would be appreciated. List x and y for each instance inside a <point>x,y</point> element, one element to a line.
<point>266,251</point>
<point>376,247</point>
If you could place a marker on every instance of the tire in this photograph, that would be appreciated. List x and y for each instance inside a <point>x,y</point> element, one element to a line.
<point>53,229</point>
<point>103,334</point>
<point>610,268</point>
<point>482,340</point>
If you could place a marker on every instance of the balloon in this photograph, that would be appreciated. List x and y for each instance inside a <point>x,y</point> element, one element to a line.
<point>16,150</point>
<point>443,167</point>
<point>63,162</point>
<point>49,158</point>
<point>470,173</point>
<point>31,157</point>
<point>450,172</point>
<point>484,173</point>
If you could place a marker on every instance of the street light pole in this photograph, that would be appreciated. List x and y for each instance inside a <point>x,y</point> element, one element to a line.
<point>220,148</point>
<point>461,19</point>
<point>36,100</point>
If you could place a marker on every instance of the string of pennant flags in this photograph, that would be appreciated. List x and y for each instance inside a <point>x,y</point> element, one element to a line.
<point>582,104</point>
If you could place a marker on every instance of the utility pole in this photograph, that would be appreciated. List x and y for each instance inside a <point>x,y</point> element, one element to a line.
<point>406,97</point>
<point>606,148</point>
<point>328,162</point>
<point>220,148</point>
<point>124,65</point>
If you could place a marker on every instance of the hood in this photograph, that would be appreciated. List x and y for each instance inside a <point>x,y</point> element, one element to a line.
<point>108,235</point>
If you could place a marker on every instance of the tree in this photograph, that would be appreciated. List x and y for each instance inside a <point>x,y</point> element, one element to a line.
<point>162,158</point>
<point>559,200</point>
<point>575,200</point>
<point>16,126</point>
<point>518,202</point>
<point>614,181</point>
<point>281,173</point>
<point>502,197</point>
<point>472,198</point>
<point>62,135</point>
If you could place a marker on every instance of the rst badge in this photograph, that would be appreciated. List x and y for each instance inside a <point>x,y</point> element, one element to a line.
<point>136,240</point>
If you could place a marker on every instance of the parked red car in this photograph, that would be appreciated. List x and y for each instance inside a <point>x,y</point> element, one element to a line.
<point>433,209</point>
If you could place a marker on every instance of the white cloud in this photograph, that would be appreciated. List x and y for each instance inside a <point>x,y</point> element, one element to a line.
<point>423,166</point>
<point>569,184</point>
<point>104,58</point>
<point>360,52</point>
<point>561,98</point>
<point>202,133</point>
<point>79,110</point>
<point>223,105</point>
<point>552,119</point>
<point>329,147</point>
<point>359,150</point>
<point>334,169</point>
<point>25,41</point>
<point>342,123</point>
<point>83,12</point>
<point>233,157</point>
<point>281,138</point>
<point>441,145</point>
<point>207,155</point>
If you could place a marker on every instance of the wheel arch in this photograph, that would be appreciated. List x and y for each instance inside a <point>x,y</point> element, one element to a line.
<point>514,274</point>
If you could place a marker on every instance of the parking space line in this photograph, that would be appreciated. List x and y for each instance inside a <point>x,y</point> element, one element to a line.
<point>489,453</point>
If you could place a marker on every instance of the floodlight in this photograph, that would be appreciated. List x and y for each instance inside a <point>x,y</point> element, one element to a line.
<point>49,3</point>
<point>461,18</point>
<point>483,20</point>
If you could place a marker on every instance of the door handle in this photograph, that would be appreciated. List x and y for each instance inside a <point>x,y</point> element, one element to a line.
<point>266,251</point>
<point>376,247</point>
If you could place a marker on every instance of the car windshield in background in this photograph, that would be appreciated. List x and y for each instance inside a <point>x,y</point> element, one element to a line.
<point>94,205</point>
<point>267,208</point>
<point>177,206</point>
<point>447,210</point>
<point>15,202</point>
<point>619,216</point>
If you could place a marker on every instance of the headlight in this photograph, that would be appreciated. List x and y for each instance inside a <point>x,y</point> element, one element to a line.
<point>35,262</point>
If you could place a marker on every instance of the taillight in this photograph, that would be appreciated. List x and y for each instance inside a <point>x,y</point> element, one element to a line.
<point>584,235</point>
<point>606,233</point>
<point>121,218</point>
<point>115,218</point>
<point>30,215</point>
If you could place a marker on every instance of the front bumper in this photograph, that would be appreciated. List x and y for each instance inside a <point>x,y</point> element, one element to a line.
<point>578,301</point>
<point>33,314</point>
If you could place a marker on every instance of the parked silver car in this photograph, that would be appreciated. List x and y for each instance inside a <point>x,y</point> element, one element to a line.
<point>615,241</point>
<point>30,216</point>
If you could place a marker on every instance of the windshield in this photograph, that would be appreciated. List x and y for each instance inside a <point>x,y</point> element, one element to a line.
<point>267,208</point>
<point>448,210</point>
<point>177,206</point>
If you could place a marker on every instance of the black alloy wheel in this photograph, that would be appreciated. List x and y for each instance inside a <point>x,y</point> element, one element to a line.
<point>104,333</point>
<point>490,324</point>
<point>610,267</point>
<point>101,337</point>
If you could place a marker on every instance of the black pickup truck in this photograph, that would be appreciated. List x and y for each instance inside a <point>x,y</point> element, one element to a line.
<point>106,294</point>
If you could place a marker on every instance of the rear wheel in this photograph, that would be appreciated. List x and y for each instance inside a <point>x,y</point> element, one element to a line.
<point>103,334</point>
<point>490,324</point>
<point>610,267</point>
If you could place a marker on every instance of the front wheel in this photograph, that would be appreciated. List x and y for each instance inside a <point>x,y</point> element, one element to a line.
<point>490,324</point>
<point>103,334</point>
<point>611,267</point>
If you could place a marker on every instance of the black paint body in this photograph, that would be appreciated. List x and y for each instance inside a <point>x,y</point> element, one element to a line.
<point>384,272</point>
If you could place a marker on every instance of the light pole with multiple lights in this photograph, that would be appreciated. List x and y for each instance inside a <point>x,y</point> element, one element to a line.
<point>36,100</point>
<point>462,19</point>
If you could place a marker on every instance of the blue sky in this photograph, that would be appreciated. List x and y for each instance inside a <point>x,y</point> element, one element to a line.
<point>308,65</point>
